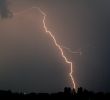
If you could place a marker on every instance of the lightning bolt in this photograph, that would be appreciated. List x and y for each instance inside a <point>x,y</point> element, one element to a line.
<point>55,42</point>
<point>59,47</point>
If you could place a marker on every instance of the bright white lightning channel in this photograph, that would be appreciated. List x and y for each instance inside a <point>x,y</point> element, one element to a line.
<point>60,48</point>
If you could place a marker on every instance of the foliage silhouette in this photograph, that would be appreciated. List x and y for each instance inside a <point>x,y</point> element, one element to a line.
<point>80,94</point>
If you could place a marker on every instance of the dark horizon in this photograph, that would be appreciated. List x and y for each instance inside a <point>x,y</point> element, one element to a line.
<point>68,93</point>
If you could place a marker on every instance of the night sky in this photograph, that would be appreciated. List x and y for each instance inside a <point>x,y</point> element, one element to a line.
<point>29,60</point>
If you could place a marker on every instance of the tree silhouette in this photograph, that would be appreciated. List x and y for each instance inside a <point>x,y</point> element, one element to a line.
<point>80,94</point>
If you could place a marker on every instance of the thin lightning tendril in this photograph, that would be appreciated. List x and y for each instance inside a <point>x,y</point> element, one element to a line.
<point>55,42</point>
<point>69,50</point>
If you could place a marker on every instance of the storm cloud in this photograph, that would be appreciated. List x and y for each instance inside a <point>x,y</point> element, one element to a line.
<point>4,10</point>
<point>29,60</point>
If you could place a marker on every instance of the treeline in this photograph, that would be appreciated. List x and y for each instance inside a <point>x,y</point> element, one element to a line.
<point>80,94</point>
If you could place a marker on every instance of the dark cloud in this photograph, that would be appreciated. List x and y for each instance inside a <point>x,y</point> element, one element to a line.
<point>4,11</point>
